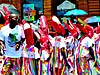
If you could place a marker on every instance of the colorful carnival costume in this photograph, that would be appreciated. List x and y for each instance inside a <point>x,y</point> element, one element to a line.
<point>84,50</point>
<point>96,39</point>
<point>71,43</point>
<point>59,46</point>
<point>30,53</point>
<point>45,53</point>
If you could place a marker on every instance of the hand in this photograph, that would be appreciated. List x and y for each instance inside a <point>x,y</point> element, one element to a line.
<point>17,46</point>
<point>64,20</point>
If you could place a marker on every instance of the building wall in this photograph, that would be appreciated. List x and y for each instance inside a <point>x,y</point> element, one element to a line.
<point>92,7</point>
<point>48,9</point>
<point>17,3</point>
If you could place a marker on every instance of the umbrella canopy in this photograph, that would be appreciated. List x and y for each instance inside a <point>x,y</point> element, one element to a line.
<point>75,12</point>
<point>66,5</point>
<point>10,8</point>
<point>92,19</point>
<point>61,12</point>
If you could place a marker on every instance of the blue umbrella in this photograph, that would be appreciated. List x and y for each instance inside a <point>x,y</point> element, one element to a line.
<point>75,12</point>
<point>92,19</point>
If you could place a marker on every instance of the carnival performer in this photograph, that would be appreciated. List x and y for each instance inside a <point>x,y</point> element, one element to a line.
<point>71,43</point>
<point>59,48</point>
<point>30,52</point>
<point>12,38</point>
<point>96,39</point>
<point>84,50</point>
<point>45,44</point>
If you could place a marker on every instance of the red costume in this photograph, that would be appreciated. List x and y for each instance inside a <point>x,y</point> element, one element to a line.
<point>28,34</point>
<point>72,28</point>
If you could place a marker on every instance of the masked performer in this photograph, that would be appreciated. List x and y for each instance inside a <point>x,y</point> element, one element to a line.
<point>71,43</point>
<point>30,53</point>
<point>45,51</point>
<point>96,39</point>
<point>84,50</point>
<point>59,48</point>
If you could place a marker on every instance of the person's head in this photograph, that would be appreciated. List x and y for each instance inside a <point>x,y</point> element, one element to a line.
<point>43,24</point>
<point>13,19</point>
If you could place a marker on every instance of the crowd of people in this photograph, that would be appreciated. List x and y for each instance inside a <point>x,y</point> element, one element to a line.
<point>74,51</point>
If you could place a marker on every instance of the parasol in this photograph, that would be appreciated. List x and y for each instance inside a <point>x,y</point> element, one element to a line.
<point>75,12</point>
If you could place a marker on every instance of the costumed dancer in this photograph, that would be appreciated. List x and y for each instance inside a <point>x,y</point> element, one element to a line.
<point>59,47</point>
<point>84,50</point>
<point>45,51</point>
<point>30,53</point>
<point>71,43</point>
<point>96,39</point>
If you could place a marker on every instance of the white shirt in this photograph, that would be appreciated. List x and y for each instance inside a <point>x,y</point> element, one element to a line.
<point>86,42</point>
<point>10,37</point>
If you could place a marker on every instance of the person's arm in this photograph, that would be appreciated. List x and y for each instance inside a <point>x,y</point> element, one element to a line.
<point>21,41</point>
<point>2,46</point>
<point>91,52</point>
<point>18,44</point>
<point>2,40</point>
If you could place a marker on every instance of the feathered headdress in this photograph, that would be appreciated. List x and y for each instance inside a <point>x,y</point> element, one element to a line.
<point>85,28</point>
<point>72,28</point>
<point>56,24</point>
<point>43,22</point>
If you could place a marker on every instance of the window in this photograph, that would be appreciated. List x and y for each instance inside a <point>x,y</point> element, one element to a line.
<point>37,9</point>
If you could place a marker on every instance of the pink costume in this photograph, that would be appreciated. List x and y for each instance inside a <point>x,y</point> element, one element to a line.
<point>45,46</point>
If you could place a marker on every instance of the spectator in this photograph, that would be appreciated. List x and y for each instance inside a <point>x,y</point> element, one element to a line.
<point>12,38</point>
